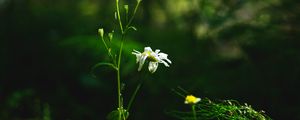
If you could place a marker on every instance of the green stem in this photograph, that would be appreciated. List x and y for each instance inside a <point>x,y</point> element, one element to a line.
<point>105,44</point>
<point>109,52</point>
<point>118,75</point>
<point>120,102</point>
<point>178,93</point>
<point>119,62</point>
<point>194,112</point>
<point>119,16</point>
<point>134,12</point>
<point>133,96</point>
<point>119,93</point>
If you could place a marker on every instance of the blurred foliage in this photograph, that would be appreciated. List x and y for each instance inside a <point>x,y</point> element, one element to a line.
<point>221,110</point>
<point>223,49</point>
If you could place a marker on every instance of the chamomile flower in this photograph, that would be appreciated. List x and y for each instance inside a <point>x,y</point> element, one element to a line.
<point>153,57</point>
<point>190,99</point>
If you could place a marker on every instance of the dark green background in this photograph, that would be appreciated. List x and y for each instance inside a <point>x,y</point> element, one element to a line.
<point>247,50</point>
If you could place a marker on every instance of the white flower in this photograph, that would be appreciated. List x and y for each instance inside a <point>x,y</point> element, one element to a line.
<point>153,57</point>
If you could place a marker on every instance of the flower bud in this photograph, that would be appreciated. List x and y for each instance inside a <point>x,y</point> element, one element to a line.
<point>101,32</point>
<point>126,8</point>
<point>116,16</point>
<point>110,35</point>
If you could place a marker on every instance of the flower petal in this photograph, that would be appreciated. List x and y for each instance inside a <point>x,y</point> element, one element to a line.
<point>157,51</point>
<point>168,60</point>
<point>153,66</point>
<point>142,61</point>
<point>147,49</point>
<point>138,57</point>
<point>164,56</point>
<point>135,52</point>
<point>197,100</point>
<point>164,62</point>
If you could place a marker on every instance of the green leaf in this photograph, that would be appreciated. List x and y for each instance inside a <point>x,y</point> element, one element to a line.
<point>114,115</point>
<point>46,112</point>
<point>132,27</point>
<point>104,64</point>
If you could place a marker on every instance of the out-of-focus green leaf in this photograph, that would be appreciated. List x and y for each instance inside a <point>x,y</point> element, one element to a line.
<point>114,115</point>
<point>132,27</point>
<point>46,112</point>
<point>105,64</point>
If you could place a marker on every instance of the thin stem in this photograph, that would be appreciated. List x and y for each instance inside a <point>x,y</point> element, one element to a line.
<point>183,90</point>
<point>109,52</point>
<point>121,49</point>
<point>194,112</point>
<point>134,12</point>
<point>119,16</point>
<point>120,102</point>
<point>119,93</point>
<point>178,93</point>
<point>124,115</point>
<point>119,62</point>
<point>133,96</point>
<point>118,75</point>
<point>105,44</point>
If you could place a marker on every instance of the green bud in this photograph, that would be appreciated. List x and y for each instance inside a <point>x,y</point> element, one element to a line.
<point>101,32</point>
<point>126,8</point>
<point>116,16</point>
<point>110,35</point>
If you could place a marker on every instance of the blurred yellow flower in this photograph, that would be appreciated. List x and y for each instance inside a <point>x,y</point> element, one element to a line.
<point>190,99</point>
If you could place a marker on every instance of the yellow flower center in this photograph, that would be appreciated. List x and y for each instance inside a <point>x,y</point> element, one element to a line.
<point>150,57</point>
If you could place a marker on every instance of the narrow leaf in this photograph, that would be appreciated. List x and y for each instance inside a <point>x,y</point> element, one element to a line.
<point>104,64</point>
<point>132,27</point>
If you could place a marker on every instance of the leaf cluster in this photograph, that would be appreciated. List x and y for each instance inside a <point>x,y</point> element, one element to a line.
<point>221,110</point>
